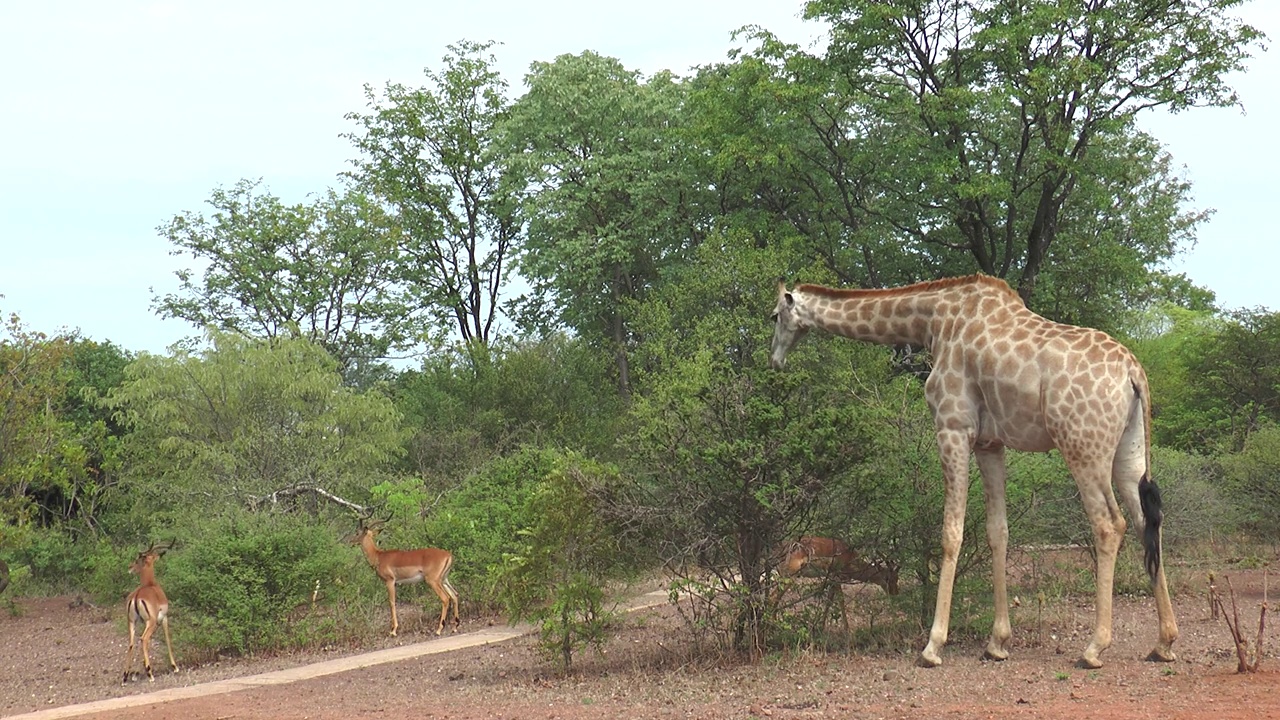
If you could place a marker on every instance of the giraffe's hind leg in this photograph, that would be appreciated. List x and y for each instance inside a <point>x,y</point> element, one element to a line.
<point>1093,478</point>
<point>991,464</point>
<point>1128,471</point>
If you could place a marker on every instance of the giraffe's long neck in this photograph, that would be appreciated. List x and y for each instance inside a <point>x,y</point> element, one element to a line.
<point>877,316</point>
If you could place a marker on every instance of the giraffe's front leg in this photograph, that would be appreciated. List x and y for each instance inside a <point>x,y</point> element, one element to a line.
<point>954,449</point>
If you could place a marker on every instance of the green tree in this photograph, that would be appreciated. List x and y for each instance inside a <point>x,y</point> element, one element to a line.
<point>36,449</point>
<point>248,423</point>
<point>542,393</point>
<point>1213,377</point>
<point>738,457</point>
<point>573,544</point>
<point>1253,474</point>
<point>1235,380</point>
<point>428,154</point>
<point>595,144</point>
<point>995,114</point>
<point>324,271</point>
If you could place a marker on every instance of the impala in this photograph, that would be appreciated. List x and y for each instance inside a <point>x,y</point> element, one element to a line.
<point>831,558</point>
<point>431,565</point>
<point>148,604</point>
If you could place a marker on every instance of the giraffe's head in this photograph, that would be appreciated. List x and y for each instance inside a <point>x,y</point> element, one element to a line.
<point>788,327</point>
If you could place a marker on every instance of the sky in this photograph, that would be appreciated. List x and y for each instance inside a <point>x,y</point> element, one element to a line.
<point>115,117</point>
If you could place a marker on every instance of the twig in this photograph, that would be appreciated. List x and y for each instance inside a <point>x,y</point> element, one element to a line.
<point>1262,624</point>
<point>1213,597</point>
<point>300,488</point>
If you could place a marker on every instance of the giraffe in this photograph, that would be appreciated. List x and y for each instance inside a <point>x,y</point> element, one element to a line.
<point>1005,377</point>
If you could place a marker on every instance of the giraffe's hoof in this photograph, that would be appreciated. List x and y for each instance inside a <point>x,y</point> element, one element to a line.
<point>175,669</point>
<point>928,659</point>
<point>393,633</point>
<point>1160,654</point>
<point>995,652</point>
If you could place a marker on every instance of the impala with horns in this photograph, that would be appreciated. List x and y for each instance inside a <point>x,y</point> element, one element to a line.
<point>830,558</point>
<point>430,565</point>
<point>149,605</point>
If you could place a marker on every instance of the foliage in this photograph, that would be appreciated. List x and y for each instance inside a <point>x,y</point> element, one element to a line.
<point>573,544</point>
<point>243,420</point>
<point>426,153</point>
<point>33,441</point>
<point>479,521</point>
<point>1254,475</point>
<point>324,271</point>
<point>1214,379</point>
<point>530,392</point>
<point>235,580</point>
<point>988,131</point>
<point>593,141</point>
<point>738,455</point>
<point>58,448</point>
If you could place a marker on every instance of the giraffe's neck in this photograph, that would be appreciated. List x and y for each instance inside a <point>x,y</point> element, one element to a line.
<point>877,316</point>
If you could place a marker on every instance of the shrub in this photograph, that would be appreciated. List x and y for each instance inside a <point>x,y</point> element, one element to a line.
<point>236,581</point>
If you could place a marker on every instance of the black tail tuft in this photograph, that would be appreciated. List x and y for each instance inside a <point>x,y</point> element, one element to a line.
<point>1149,497</point>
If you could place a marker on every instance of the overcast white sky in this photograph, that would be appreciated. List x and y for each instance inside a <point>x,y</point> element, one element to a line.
<point>116,116</point>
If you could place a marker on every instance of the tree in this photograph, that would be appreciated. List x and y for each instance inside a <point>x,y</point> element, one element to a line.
<point>428,154</point>
<point>1236,382</point>
<point>739,457</point>
<point>999,107</point>
<point>35,445</point>
<point>248,423</point>
<point>323,271</point>
<point>555,574</point>
<point>594,143</point>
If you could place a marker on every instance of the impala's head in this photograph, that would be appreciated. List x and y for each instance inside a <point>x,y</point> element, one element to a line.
<point>788,328</point>
<point>147,558</point>
<point>369,527</point>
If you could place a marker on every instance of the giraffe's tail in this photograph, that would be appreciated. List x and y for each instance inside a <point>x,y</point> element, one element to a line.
<point>1153,515</point>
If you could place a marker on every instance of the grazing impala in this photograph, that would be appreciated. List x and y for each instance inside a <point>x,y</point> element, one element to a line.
<point>148,604</point>
<point>431,565</point>
<point>831,558</point>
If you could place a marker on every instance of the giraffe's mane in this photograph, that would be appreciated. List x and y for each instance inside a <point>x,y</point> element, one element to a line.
<point>994,283</point>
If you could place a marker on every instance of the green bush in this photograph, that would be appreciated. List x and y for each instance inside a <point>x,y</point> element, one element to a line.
<point>555,574</point>
<point>1253,475</point>
<point>237,582</point>
<point>478,522</point>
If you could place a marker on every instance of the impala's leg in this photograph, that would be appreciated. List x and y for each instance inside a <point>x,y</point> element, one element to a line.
<point>168,643</point>
<point>453,596</point>
<point>953,447</point>
<point>391,598</point>
<point>146,641</point>
<point>438,587</point>
<point>1128,470</point>
<point>128,658</point>
<point>991,463</point>
<point>1093,478</point>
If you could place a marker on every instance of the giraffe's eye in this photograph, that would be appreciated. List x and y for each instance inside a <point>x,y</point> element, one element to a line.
<point>774,318</point>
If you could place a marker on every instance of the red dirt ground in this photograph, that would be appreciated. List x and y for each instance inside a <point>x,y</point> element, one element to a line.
<point>56,655</point>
